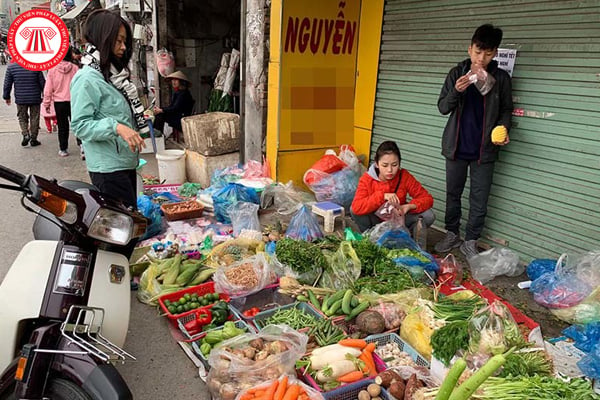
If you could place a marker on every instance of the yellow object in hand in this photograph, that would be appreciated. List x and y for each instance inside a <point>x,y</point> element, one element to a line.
<point>499,134</point>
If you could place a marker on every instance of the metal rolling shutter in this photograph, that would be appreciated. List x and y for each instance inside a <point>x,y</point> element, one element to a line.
<point>546,194</point>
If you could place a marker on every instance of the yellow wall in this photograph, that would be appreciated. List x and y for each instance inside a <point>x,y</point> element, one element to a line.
<point>321,94</point>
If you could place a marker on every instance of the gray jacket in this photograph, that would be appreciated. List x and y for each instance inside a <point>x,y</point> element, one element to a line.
<point>497,105</point>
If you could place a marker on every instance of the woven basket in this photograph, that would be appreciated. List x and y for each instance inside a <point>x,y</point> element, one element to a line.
<point>182,210</point>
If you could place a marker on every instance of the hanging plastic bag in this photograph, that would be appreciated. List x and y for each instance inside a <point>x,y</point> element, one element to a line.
<point>304,226</point>
<point>560,288</point>
<point>231,194</point>
<point>247,360</point>
<point>165,62</point>
<point>245,277</point>
<point>244,216</point>
<point>343,268</point>
<point>493,330</point>
<point>495,262</point>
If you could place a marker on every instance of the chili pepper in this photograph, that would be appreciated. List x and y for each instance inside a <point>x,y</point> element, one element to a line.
<point>251,312</point>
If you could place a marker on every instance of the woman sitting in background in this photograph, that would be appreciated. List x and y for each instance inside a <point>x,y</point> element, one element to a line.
<point>182,103</point>
<point>384,182</point>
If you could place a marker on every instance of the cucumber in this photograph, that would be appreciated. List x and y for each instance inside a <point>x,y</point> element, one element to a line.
<point>324,306</point>
<point>354,302</point>
<point>334,308</point>
<point>346,309</point>
<point>337,296</point>
<point>357,310</point>
<point>313,299</point>
<point>302,298</point>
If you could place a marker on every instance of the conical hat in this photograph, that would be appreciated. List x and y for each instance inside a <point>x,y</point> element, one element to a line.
<point>178,75</point>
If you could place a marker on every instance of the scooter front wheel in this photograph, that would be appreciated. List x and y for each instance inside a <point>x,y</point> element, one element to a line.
<point>60,389</point>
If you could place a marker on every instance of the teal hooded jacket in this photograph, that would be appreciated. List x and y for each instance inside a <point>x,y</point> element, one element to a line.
<point>96,109</point>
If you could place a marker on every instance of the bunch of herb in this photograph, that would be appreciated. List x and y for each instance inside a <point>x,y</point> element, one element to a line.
<point>449,339</point>
<point>457,309</point>
<point>329,242</point>
<point>535,388</point>
<point>391,280</point>
<point>299,255</point>
<point>373,258</point>
<point>527,363</point>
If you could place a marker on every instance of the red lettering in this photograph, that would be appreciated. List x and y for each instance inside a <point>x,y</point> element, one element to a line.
<point>337,36</point>
<point>315,39</point>
<point>304,35</point>
<point>349,37</point>
<point>291,34</point>
<point>328,30</point>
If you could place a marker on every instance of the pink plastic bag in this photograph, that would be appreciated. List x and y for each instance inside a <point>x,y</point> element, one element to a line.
<point>165,62</point>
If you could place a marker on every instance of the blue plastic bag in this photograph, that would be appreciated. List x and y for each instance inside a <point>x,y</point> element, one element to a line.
<point>338,187</point>
<point>151,210</point>
<point>304,226</point>
<point>539,267</point>
<point>409,254</point>
<point>586,337</point>
<point>229,195</point>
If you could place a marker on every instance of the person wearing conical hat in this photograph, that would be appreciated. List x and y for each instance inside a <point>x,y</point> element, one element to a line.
<point>181,104</point>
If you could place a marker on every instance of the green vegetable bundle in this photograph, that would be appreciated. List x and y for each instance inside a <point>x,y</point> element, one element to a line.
<point>303,258</point>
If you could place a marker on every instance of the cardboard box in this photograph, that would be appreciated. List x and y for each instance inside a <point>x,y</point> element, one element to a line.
<point>212,134</point>
<point>199,168</point>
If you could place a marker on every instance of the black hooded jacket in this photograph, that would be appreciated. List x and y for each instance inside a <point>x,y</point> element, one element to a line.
<point>497,105</point>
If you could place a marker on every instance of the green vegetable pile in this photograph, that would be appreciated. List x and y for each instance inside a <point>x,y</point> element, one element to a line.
<point>390,280</point>
<point>373,258</point>
<point>457,309</point>
<point>528,363</point>
<point>214,337</point>
<point>450,338</point>
<point>535,388</point>
<point>293,317</point>
<point>299,255</point>
<point>325,333</point>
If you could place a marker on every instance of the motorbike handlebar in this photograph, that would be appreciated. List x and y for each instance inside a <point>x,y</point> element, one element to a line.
<point>12,176</point>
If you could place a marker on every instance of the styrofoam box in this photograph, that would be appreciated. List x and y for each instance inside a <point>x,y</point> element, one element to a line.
<point>212,134</point>
<point>200,168</point>
<point>160,145</point>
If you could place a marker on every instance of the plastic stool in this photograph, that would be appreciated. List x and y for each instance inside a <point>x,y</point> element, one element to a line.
<point>329,211</point>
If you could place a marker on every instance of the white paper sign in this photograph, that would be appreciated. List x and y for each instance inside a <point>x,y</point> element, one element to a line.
<point>506,59</point>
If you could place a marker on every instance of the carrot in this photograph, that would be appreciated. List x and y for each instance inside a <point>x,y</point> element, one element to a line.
<point>292,392</point>
<point>270,393</point>
<point>281,388</point>
<point>370,347</point>
<point>260,393</point>
<point>358,343</point>
<point>247,396</point>
<point>351,377</point>
<point>367,358</point>
<point>303,396</point>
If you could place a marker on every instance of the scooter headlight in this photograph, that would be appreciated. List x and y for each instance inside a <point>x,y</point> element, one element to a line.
<point>111,226</point>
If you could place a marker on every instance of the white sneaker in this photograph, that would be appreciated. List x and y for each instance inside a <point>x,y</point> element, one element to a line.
<point>63,153</point>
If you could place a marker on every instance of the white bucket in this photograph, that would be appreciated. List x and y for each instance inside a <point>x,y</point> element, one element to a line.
<point>171,166</point>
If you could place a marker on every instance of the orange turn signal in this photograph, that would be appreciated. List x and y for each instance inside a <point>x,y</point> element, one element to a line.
<point>21,368</point>
<point>52,203</point>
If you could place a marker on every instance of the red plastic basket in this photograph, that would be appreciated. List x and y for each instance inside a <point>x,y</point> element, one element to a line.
<point>200,290</point>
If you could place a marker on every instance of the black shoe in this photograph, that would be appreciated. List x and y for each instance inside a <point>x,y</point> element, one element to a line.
<point>34,143</point>
<point>25,140</point>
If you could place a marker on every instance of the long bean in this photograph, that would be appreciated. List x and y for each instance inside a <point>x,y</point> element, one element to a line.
<point>293,317</point>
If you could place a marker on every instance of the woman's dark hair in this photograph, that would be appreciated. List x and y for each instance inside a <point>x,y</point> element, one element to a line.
<point>387,147</point>
<point>101,30</point>
<point>68,55</point>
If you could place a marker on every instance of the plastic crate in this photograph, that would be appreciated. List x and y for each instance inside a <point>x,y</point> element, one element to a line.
<point>164,188</point>
<point>196,343</point>
<point>269,296</point>
<point>194,210</point>
<point>201,290</point>
<point>379,366</point>
<point>260,318</point>
<point>350,391</point>
<point>181,321</point>
<point>384,338</point>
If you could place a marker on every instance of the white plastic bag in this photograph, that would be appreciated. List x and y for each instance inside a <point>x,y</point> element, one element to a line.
<point>244,277</point>
<point>247,360</point>
<point>244,216</point>
<point>495,262</point>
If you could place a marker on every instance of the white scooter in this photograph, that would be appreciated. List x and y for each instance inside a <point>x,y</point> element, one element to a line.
<point>63,341</point>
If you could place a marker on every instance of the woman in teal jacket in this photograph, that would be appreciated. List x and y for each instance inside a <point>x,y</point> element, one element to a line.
<point>107,114</point>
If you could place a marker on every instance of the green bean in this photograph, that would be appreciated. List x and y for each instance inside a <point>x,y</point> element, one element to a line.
<point>293,317</point>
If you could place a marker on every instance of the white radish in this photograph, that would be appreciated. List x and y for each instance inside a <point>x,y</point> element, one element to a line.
<point>319,361</point>
<point>334,370</point>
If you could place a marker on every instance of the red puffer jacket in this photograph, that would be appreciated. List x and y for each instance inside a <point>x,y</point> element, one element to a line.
<point>370,191</point>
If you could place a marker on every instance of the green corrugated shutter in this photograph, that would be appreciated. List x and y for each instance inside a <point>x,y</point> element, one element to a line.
<point>546,194</point>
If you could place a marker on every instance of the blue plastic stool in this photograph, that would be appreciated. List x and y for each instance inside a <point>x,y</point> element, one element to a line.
<point>329,211</point>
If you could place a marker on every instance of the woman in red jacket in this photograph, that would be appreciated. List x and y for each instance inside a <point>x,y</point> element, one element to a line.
<point>386,181</point>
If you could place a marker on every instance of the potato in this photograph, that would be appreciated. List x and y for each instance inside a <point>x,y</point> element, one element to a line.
<point>374,389</point>
<point>364,395</point>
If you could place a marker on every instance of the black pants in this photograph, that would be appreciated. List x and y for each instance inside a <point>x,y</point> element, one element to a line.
<point>120,185</point>
<point>63,115</point>
<point>480,186</point>
<point>162,118</point>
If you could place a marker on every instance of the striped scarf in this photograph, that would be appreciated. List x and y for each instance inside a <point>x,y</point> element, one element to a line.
<point>120,80</point>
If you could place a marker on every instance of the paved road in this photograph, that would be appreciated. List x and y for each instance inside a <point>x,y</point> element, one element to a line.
<point>162,371</point>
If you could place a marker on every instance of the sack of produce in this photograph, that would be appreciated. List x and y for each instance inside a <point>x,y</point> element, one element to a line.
<point>493,330</point>
<point>234,250</point>
<point>244,277</point>
<point>248,360</point>
<point>343,268</point>
<point>304,226</point>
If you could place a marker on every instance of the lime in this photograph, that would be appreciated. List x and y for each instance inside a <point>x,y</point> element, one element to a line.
<point>204,302</point>
<point>194,304</point>
<point>186,307</point>
<point>182,301</point>
<point>215,296</point>
<point>172,309</point>
<point>167,303</point>
<point>187,296</point>
<point>179,309</point>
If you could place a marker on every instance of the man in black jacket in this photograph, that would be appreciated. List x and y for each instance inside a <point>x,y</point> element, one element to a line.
<point>29,86</point>
<point>476,129</point>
